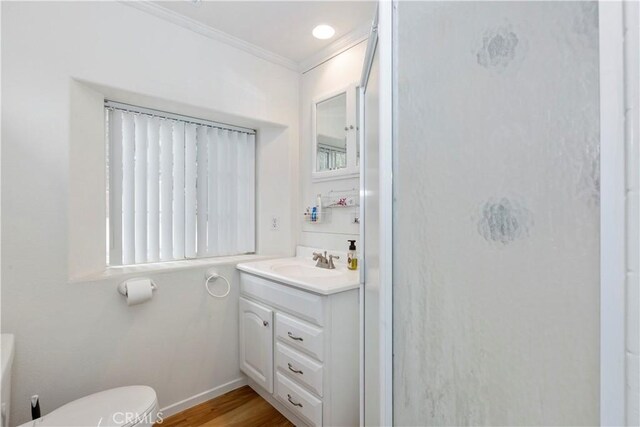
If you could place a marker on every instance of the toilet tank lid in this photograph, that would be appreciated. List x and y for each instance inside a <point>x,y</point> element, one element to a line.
<point>121,407</point>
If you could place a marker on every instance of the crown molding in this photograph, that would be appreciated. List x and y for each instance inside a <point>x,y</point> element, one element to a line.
<point>212,33</point>
<point>337,47</point>
<point>344,43</point>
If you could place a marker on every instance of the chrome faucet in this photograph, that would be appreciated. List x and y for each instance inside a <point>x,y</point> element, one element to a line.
<point>323,261</point>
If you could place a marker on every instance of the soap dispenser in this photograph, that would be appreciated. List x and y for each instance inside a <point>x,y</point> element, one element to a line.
<point>352,256</point>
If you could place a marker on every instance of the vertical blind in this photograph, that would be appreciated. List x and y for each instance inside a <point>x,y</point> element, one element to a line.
<point>178,187</point>
<point>330,158</point>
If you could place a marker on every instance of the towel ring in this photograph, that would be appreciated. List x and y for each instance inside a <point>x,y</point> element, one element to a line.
<point>214,276</point>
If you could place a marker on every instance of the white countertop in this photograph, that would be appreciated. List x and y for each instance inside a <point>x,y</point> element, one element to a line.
<point>301,272</point>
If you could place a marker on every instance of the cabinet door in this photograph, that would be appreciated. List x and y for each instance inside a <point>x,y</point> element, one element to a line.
<point>256,343</point>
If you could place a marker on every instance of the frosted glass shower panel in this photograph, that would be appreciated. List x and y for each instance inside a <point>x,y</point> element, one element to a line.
<point>496,238</point>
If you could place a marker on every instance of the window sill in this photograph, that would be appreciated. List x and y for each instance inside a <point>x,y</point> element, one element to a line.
<point>164,267</point>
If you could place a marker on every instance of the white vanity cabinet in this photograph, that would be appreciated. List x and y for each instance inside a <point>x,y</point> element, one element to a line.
<point>301,350</point>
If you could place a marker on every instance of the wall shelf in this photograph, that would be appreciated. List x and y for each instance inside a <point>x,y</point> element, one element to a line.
<point>335,200</point>
<point>341,199</point>
<point>324,216</point>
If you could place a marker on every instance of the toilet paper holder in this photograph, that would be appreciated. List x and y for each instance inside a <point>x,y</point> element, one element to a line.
<point>122,287</point>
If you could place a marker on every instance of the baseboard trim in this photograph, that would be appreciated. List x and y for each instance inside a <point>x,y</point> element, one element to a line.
<point>199,398</point>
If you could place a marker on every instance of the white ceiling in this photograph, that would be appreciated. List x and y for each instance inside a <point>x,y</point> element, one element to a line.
<point>281,27</point>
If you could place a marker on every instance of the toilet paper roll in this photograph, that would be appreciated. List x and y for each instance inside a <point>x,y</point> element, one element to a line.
<point>139,291</point>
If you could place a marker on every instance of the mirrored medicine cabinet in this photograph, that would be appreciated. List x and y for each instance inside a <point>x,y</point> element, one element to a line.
<point>335,153</point>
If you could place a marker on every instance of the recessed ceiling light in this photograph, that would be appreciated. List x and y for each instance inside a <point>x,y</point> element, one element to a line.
<point>323,32</point>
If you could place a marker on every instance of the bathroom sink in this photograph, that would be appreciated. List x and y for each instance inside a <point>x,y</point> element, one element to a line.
<point>304,271</point>
<point>301,272</point>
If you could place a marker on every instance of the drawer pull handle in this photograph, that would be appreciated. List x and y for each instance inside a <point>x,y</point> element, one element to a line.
<point>265,323</point>
<point>292,369</point>
<point>299,405</point>
<point>293,337</point>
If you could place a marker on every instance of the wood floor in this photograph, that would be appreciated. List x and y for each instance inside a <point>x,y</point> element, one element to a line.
<point>241,407</point>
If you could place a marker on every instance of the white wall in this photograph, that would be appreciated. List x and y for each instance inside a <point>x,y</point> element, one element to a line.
<point>496,288</point>
<point>338,72</point>
<point>74,338</point>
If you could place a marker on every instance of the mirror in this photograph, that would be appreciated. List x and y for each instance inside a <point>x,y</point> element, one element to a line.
<point>331,133</point>
<point>335,152</point>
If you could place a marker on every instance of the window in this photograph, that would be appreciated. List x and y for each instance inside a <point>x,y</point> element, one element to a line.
<point>179,187</point>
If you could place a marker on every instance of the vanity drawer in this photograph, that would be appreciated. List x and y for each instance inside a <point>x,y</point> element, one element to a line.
<point>299,367</point>
<point>300,335</point>
<point>306,305</point>
<point>299,401</point>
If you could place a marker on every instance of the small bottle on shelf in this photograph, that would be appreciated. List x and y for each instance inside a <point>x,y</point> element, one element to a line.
<point>319,208</point>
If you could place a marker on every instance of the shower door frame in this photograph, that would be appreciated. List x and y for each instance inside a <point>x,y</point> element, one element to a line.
<point>613,230</point>
<point>382,328</point>
<point>613,375</point>
<point>388,84</point>
<point>382,46</point>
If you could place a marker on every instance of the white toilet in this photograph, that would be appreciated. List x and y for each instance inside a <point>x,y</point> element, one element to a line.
<point>133,406</point>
